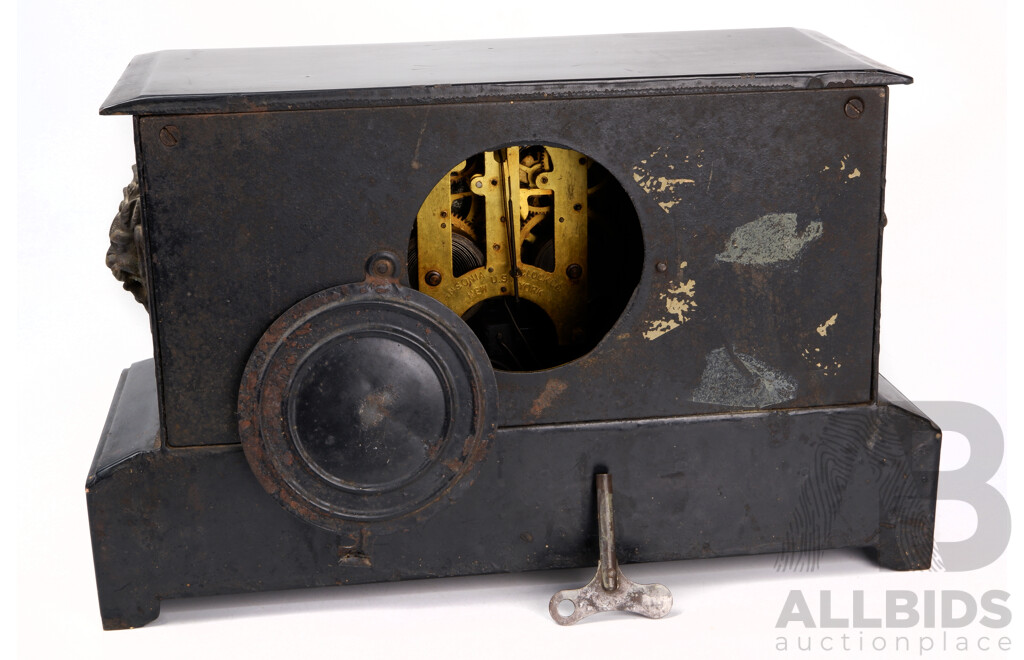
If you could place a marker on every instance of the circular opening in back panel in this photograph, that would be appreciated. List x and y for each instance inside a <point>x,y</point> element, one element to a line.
<point>538,248</point>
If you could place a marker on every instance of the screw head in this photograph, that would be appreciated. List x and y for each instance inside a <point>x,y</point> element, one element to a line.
<point>169,135</point>
<point>661,266</point>
<point>854,107</point>
<point>382,264</point>
<point>574,271</point>
<point>432,278</point>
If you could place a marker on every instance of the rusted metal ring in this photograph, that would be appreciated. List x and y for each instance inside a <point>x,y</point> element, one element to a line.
<point>366,404</point>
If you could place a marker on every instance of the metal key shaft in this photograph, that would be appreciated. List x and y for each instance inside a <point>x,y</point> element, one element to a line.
<point>610,590</point>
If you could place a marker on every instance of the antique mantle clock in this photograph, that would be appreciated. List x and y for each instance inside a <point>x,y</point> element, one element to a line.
<point>408,300</point>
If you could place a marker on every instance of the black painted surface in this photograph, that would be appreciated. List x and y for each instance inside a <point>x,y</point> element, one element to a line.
<point>685,488</point>
<point>250,213</point>
<point>367,411</point>
<point>135,420</point>
<point>256,79</point>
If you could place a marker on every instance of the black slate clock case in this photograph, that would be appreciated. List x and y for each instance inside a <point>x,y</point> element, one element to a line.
<point>313,416</point>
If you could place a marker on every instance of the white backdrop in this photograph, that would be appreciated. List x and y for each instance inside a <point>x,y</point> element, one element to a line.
<point>944,322</point>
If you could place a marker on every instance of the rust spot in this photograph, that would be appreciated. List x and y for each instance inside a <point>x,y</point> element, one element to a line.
<point>357,551</point>
<point>551,392</point>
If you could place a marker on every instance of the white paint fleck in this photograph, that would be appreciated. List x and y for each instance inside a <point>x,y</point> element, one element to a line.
<point>679,302</point>
<point>769,239</point>
<point>829,366</point>
<point>823,328</point>
<point>844,166</point>
<point>652,184</point>
<point>677,307</point>
<point>671,183</point>
<point>659,328</point>
<point>658,175</point>
<point>686,288</point>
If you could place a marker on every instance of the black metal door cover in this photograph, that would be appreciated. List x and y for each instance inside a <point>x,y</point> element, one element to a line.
<point>366,403</point>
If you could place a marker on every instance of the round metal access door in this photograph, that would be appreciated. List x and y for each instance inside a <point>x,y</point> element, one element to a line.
<point>366,403</point>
